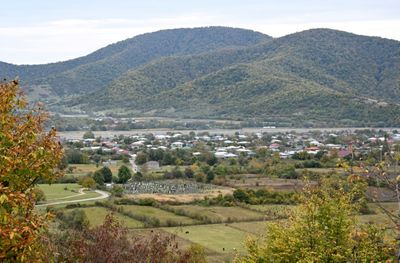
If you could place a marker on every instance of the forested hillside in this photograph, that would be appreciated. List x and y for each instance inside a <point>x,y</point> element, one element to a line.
<point>322,75</point>
<point>96,70</point>
<point>316,76</point>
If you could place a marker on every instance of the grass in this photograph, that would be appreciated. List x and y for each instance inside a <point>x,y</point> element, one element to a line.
<point>379,219</point>
<point>162,215</point>
<point>392,207</point>
<point>219,237</point>
<point>96,217</point>
<point>220,213</point>
<point>57,191</point>
<point>259,182</point>
<point>88,194</point>
<point>274,211</point>
<point>83,169</point>
<point>256,228</point>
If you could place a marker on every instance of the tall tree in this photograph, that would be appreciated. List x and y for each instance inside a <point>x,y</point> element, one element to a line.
<point>27,154</point>
<point>124,174</point>
<point>323,229</point>
<point>107,174</point>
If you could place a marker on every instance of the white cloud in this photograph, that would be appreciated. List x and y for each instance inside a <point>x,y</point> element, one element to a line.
<point>65,39</point>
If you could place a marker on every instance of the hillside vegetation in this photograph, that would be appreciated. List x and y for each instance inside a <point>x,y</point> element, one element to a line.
<point>318,76</point>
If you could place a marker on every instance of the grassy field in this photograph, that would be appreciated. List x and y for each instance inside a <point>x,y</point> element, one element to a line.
<point>83,169</point>
<point>219,237</point>
<point>162,215</point>
<point>96,217</point>
<point>274,211</point>
<point>275,184</point>
<point>59,191</point>
<point>221,214</point>
<point>256,228</point>
<point>65,192</point>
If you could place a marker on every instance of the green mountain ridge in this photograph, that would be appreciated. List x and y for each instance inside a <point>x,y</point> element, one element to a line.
<point>97,70</point>
<point>318,76</point>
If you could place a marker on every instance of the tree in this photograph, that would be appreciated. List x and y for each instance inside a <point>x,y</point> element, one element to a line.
<point>107,174</point>
<point>323,229</point>
<point>75,219</point>
<point>188,172</point>
<point>27,154</point>
<point>111,243</point>
<point>98,177</point>
<point>141,158</point>
<point>124,174</point>
<point>88,135</point>
<point>210,176</point>
<point>87,182</point>
<point>76,157</point>
<point>39,195</point>
<point>117,191</point>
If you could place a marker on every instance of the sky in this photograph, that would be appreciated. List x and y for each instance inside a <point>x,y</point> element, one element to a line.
<point>43,31</point>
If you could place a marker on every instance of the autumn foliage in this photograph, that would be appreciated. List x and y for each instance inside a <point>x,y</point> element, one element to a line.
<point>112,243</point>
<point>324,229</point>
<point>27,154</point>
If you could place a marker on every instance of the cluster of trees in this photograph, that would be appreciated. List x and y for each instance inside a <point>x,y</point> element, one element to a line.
<point>263,196</point>
<point>111,242</point>
<point>104,175</point>
<point>324,229</point>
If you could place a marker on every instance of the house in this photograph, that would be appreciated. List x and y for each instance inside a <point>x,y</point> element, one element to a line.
<point>312,150</point>
<point>343,153</point>
<point>176,145</point>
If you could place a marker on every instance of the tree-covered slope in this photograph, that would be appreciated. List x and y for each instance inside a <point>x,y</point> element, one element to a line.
<point>316,74</point>
<point>98,69</point>
<point>320,75</point>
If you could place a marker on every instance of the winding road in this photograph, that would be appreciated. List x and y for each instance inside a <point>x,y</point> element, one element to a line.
<point>103,195</point>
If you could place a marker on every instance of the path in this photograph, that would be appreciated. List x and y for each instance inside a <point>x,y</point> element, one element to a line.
<point>81,192</point>
<point>103,195</point>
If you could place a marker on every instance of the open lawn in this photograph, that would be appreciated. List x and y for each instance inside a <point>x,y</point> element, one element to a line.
<point>55,192</point>
<point>162,215</point>
<point>217,214</point>
<point>65,192</point>
<point>96,217</point>
<point>219,237</point>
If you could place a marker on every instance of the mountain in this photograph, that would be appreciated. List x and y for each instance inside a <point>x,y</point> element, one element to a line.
<point>97,70</point>
<point>316,77</point>
<point>322,75</point>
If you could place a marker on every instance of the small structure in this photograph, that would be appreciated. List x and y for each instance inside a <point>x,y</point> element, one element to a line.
<point>176,145</point>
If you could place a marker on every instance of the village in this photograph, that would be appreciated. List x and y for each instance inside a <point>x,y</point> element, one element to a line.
<point>289,145</point>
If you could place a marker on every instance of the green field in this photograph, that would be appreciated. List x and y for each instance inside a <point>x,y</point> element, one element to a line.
<point>162,215</point>
<point>65,192</point>
<point>274,211</point>
<point>257,228</point>
<point>59,191</point>
<point>84,169</point>
<point>392,207</point>
<point>96,217</point>
<point>219,237</point>
<point>220,214</point>
<point>88,194</point>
